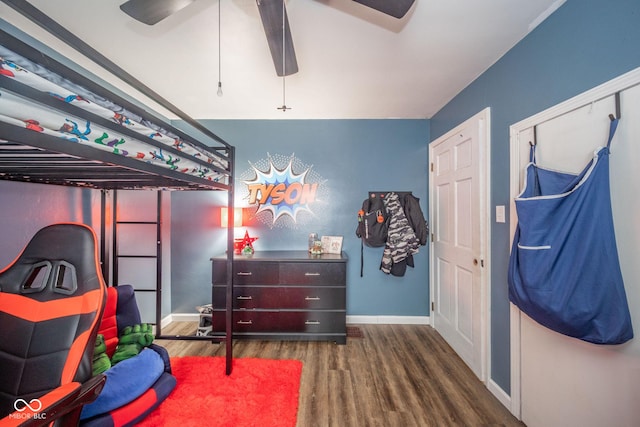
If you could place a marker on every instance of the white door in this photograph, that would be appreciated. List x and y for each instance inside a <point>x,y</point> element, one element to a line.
<point>558,380</point>
<point>458,195</point>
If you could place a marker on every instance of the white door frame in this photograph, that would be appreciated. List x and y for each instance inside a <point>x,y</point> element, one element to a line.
<point>484,118</point>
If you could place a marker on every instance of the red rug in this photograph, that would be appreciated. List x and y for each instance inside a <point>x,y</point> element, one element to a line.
<point>259,392</point>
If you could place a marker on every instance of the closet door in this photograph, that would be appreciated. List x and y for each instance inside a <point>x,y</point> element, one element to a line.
<point>563,380</point>
<point>457,192</point>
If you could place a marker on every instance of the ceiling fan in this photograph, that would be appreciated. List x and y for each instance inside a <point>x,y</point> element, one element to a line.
<point>151,12</point>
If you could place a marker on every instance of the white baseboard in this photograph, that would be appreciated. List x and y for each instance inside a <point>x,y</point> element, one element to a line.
<point>369,320</point>
<point>500,394</point>
<point>180,317</point>
<point>389,320</point>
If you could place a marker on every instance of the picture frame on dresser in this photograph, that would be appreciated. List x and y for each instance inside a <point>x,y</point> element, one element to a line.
<point>331,244</point>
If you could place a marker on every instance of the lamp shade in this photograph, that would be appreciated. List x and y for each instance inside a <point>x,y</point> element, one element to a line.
<point>224,217</point>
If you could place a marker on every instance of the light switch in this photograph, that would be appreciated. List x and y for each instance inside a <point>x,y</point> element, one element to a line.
<point>500,215</point>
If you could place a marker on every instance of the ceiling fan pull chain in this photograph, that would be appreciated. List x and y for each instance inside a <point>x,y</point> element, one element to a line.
<point>219,92</point>
<point>284,107</point>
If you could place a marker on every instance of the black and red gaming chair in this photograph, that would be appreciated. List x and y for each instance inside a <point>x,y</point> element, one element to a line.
<point>51,301</point>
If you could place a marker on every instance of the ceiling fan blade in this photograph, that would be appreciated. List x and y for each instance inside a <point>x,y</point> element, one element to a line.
<point>395,8</point>
<point>152,11</point>
<point>271,15</point>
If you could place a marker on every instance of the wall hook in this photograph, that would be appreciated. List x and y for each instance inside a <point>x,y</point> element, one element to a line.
<point>535,136</point>
<point>618,112</point>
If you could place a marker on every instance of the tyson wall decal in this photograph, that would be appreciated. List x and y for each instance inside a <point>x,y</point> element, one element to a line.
<point>284,189</point>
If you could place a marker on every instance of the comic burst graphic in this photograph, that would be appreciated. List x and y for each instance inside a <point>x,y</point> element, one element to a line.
<point>284,190</point>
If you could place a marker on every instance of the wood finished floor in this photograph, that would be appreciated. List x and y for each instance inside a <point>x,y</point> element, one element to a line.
<point>396,375</point>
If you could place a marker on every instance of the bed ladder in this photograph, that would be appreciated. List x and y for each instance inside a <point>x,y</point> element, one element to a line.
<point>137,246</point>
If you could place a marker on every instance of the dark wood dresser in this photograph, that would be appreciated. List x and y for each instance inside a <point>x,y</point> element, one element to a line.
<point>285,295</point>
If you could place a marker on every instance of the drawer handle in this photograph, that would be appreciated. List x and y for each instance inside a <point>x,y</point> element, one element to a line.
<point>311,274</point>
<point>311,322</point>
<point>244,298</point>
<point>243,273</point>
<point>312,298</point>
<point>245,322</point>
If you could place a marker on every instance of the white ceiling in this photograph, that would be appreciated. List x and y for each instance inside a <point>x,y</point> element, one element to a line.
<point>354,62</point>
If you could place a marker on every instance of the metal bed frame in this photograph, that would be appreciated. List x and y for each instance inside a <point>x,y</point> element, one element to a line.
<point>29,156</point>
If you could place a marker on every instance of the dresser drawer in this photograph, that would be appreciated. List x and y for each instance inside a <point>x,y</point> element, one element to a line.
<point>282,321</point>
<point>248,297</point>
<point>246,273</point>
<point>312,273</point>
<point>289,297</point>
<point>312,298</point>
<point>313,321</point>
<point>246,321</point>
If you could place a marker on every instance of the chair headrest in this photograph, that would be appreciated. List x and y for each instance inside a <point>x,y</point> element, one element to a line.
<point>59,260</point>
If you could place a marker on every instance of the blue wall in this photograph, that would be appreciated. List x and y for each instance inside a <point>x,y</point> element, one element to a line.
<point>583,44</point>
<point>353,157</point>
<point>26,208</point>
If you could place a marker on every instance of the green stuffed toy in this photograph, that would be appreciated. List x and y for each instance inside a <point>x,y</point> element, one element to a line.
<point>101,361</point>
<point>132,340</point>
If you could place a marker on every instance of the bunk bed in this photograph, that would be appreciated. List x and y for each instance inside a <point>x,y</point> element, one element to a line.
<point>61,125</point>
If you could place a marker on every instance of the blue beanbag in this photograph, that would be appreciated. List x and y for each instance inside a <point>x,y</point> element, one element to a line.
<point>125,382</point>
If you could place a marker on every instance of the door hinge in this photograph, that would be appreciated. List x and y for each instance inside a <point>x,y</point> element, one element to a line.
<point>433,306</point>
<point>481,263</point>
<point>432,237</point>
<point>431,166</point>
